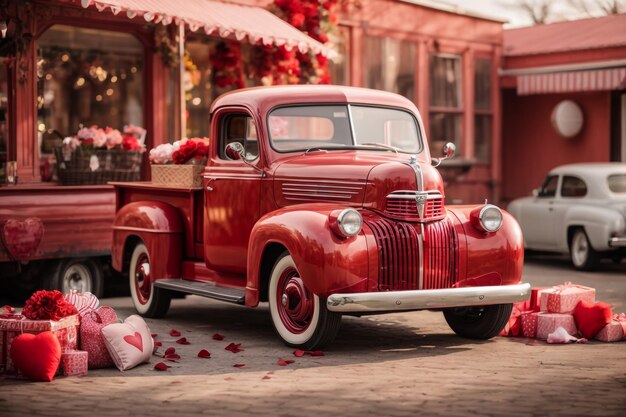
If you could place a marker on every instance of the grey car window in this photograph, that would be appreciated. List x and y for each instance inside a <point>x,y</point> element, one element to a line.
<point>548,189</point>
<point>573,187</point>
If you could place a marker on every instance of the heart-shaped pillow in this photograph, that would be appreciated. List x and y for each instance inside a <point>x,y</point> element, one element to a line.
<point>592,317</point>
<point>21,238</point>
<point>36,356</point>
<point>129,343</point>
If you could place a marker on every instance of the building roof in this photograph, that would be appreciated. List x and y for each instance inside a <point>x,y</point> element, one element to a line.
<point>459,7</point>
<point>576,35</point>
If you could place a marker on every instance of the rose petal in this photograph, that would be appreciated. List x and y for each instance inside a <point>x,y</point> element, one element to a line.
<point>204,354</point>
<point>172,357</point>
<point>266,377</point>
<point>183,341</point>
<point>154,335</point>
<point>157,344</point>
<point>298,353</point>
<point>316,353</point>
<point>239,365</point>
<point>283,362</point>
<point>170,350</point>
<point>174,333</point>
<point>161,366</point>
<point>218,336</point>
<point>234,347</point>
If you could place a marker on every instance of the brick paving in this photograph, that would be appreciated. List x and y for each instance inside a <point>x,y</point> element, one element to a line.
<point>389,365</point>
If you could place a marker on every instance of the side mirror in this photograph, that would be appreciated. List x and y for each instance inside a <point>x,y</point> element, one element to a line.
<point>235,151</point>
<point>448,152</point>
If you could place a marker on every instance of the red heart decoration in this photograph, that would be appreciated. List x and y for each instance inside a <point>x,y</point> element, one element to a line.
<point>591,318</point>
<point>135,340</point>
<point>22,238</point>
<point>37,356</point>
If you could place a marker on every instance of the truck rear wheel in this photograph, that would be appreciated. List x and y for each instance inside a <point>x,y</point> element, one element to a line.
<point>149,301</point>
<point>300,317</point>
<point>482,322</point>
<point>80,274</point>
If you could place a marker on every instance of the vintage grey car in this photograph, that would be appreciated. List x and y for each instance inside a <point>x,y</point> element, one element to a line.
<point>579,209</point>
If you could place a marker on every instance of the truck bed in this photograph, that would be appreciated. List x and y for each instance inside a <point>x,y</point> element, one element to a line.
<point>188,202</point>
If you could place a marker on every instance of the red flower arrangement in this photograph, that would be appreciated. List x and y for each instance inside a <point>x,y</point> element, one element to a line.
<point>131,143</point>
<point>192,149</point>
<point>48,305</point>
<point>226,63</point>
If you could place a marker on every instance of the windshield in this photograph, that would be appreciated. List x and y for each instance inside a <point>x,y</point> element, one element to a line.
<point>617,183</point>
<point>300,128</point>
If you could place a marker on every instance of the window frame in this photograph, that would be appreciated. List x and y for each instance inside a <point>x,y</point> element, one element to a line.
<point>576,177</point>
<point>223,120</point>
<point>484,112</point>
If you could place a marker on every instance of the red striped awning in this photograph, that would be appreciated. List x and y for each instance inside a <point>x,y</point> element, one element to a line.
<point>225,20</point>
<point>571,82</point>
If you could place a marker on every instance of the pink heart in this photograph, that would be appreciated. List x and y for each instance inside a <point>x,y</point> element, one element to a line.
<point>22,238</point>
<point>135,340</point>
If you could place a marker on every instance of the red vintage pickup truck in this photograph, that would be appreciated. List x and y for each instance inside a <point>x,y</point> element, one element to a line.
<point>322,201</point>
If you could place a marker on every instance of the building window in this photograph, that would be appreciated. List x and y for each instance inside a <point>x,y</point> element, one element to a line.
<point>339,67</point>
<point>86,77</point>
<point>390,65</point>
<point>483,119</point>
<point>4,120</point>
<point>446,101</point>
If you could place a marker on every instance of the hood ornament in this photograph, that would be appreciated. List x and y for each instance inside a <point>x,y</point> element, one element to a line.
<point>420,202</point>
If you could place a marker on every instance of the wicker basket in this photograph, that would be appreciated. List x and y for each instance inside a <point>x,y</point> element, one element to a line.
<point>182,176</point>
<point>116,165</point>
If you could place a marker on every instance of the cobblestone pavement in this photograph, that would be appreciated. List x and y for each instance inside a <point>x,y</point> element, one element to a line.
<point>390,365</point>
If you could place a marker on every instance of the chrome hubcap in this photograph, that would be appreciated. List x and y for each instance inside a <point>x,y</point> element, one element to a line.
<point>580,249</point>
<point>77,277</point>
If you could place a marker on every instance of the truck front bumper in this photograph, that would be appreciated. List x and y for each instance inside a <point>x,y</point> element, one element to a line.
<point>368,302</point>
<point>617,242</point>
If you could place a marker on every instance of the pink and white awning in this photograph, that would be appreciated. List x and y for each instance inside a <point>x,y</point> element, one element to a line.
<point>225,20</point>
<point>571,82</point>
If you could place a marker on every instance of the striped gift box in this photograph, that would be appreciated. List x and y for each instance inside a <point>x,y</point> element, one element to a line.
<point>84,302</point>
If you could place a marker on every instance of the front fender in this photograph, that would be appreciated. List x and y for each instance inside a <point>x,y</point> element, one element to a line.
<point>159,226</point>
<point>326,262</point>
<point>490,258</point>
<point>599,223</point>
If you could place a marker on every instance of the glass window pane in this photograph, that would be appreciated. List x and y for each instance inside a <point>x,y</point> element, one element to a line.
<point>445,81</point>
<point>482,84</point>
<point>445,127</point>
<point>199,93</point>
<point>482,138</point>
<point>389,127</point>
<point>617,183</point>
<point>573,187</point>
<point>548,189</point>
<point>339,67</point>
<point>87,77</point>
<point>4,117</point>
<point>390,65</point>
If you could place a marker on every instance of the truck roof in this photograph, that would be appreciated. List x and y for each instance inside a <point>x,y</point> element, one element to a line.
<point>265,98</point>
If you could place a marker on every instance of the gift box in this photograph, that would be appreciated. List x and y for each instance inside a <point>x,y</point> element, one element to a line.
<point>513,326</point>
<point>548,323</point>
<point>66,330</point>
<point>529,323</point>
<point>614,331</point>
<point>534,303</point>
<point>563,298</point>
<point>74,363</point>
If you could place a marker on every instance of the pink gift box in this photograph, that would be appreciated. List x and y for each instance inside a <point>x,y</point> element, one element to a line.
<point>529,323</point>
<point>563,298</point>
<point>614,331</point>
<point>74,363</point>
<point>66,330</point>
<point>548,323</point>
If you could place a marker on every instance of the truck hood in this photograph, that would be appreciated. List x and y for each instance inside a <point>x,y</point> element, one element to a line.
<point>354,178</point>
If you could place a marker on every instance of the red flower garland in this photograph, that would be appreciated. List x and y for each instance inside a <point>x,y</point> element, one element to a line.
<point>226,63</point>
<point>48,305</point>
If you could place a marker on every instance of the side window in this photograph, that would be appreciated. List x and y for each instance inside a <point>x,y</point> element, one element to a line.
<point>548,189</point>
<point>573,187</point>
<point>239,128</point>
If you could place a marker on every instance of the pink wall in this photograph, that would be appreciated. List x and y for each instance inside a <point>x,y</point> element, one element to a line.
<point>531,147</point>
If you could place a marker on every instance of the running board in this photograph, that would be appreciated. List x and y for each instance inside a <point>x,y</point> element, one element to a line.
<point>203,288</point>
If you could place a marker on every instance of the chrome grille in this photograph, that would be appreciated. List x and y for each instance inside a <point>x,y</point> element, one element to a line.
<point>441,255</point>
<point>403,205</point>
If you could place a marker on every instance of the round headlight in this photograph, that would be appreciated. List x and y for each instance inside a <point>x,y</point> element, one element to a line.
<point>490,218</point>
<point>349,222</point>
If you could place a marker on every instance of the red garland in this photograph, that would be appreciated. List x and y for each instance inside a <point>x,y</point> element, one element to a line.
<point>192,149</point>
<point>226,63</point>
<point>48,305</point>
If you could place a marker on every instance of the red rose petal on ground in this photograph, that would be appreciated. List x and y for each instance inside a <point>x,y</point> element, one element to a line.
<point>183,341</point>
<point>298,353</point>
<point>267,377</point>
<point>239,365</point>
<point>218,336</point>
<point>170,350</point>
<point>204,354</point>
<point>282,362</point>
<point>157,344</point>
<point>153,335</point>
<point>234,347</point>
<point>161,366</point>
<point>174,333</point>
<point>316,353</point>
<point>172,357</point>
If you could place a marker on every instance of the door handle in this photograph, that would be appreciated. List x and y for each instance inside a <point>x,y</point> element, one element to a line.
<point>209,182</point>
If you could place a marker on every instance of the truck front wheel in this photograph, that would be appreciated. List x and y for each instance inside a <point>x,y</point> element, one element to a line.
<point>478,322</point>
<point>149,300</point>
<point>300,317</point>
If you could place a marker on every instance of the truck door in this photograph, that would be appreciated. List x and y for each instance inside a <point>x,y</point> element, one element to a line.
<point>232,192</point>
